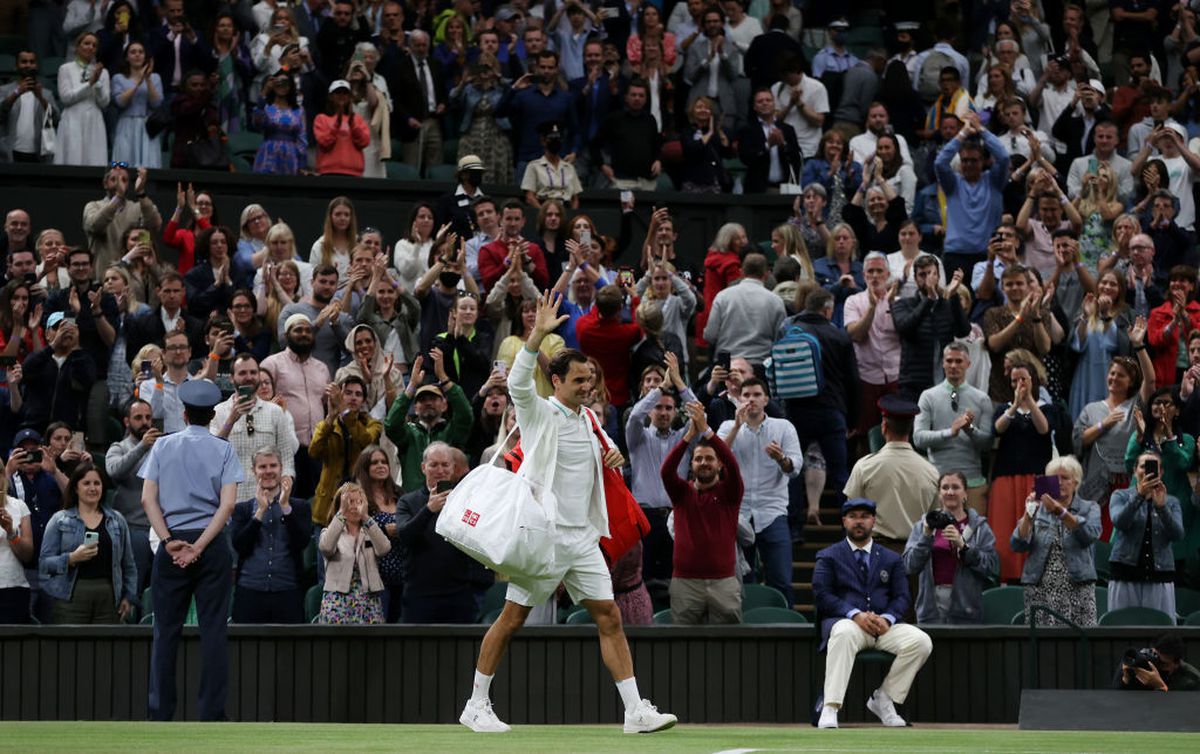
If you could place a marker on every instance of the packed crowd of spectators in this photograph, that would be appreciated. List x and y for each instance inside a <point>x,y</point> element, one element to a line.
<point>996,292</point>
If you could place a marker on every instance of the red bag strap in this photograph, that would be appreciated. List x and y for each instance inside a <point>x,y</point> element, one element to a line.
<point>596,428</point>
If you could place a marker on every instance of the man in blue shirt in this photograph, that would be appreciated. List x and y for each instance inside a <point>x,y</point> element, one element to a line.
<point>197,474</point>
<point>974,196</point>
<point>532,100</point>
<point>270,533</point>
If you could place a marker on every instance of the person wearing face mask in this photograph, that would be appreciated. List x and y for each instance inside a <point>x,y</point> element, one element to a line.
<point>550,176</point>
<point>438,288</point>
<point>457,207</point>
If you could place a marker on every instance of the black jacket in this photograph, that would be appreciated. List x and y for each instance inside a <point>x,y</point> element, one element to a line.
<point>1069,130</point>
<point>925,325</point>
<point>839,369</point>
<point>754,153</point>
<point>85,319</point>
<point>432,566</point>
<point>204,296</point>
<point>53,393</point>
<point>298,526</point>
<point>703,164</point>
<point>408,101</point>
<point>336,45</point>
<point>764,55</point>
<point>148,328</point>
<point>630,140</point>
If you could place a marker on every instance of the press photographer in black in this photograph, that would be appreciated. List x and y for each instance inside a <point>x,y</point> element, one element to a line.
<point>1157,668</point>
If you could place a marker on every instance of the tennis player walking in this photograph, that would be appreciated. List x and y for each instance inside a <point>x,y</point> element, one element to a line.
<point>562,449</point>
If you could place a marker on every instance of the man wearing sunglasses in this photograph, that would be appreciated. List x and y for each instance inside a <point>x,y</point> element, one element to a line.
<point>249,424</point>
<point>955,424</point>
<point>106,220</point>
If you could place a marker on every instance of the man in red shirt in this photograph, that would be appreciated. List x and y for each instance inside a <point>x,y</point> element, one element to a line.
<point>705,581</point>
<point>494,258</point>
<point>603,336</point>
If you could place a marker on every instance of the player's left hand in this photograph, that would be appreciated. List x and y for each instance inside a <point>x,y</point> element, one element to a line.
<point>613,459</point>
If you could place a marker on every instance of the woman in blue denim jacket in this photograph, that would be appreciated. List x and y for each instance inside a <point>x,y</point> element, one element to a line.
<point>95,582</point>
<point>1146,520</point>
<point>1060,536</point>
<point>483,134</point>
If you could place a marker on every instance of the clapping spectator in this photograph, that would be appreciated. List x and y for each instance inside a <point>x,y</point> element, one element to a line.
<point>839,271</point>
<point>339,438</point>
<point>20,321</point>
<point>341,134</point>
<point>209,284</point>
<point>23,107</point>
<point>373,471</point>
<point>86,557</point>
<point>768,147</point>
<point>833,168</point>
<point>352,543</point>
<point>284,150</point>
<point>876,210</point>
<point>16,535</point>
<point>58,377</point>
<point>722,266</point>
<point>180,51</point>
<point>234,69</point>
<point>136,91</point>
<point>705,148</point>
<point>712,67</point>
<point>610,341</point>
<point>197,142</point>
<point>83,89</point>
<point>974,194</point>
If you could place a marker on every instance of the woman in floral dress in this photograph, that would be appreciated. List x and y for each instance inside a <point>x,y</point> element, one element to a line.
<point>353,586</point>
<point>278,115</point>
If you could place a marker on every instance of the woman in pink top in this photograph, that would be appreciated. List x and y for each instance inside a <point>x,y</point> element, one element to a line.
<point>341,135</point>
<point>650,25</point>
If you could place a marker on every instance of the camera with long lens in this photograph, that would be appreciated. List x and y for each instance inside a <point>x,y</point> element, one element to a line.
<point>1143,658</point>
<point>938,519</point>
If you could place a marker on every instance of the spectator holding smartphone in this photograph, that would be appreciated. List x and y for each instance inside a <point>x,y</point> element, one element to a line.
<point>281,119</point>
<point>1146,520</point>
<point>86,558</point>
<point>341,134</point>
<point>23,106</point>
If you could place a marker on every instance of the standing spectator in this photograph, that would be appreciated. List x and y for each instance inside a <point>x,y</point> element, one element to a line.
<point>768,455</point>
<point>373,107</point>
<point>1101,332</point>
<point>136,90</point>
<point>179,50</point>
<point>16,538</point>
<point>373,470</point>
<point>483,134</point>
<point>198,476</point>
<point>300,380</point>
<point>1105,140</point>
<point>234,70</point>
<point>352,543</point>
<point>284,150</point>
<point>341,134</point>
<point>649,435</point>
<point>803,103</point>
<point>40,485</point>
<point>673,294</point>
<point>92,583</point>
<point>1060,536</point>
<point>270,532</point>
<point>768,148</point>
<point>24,103</point>
<point>197,123</point>
<point>1146,520</point>
<point>430,422</point>
<point>338,36</point>
<point>442,584</point>
<point>58,377</point>
<point>839,271</point>
<point>83,89</point>
<point>902,482</point>
<point>868,318</point>
<point>860,87</point>
<point>974,194</point>
<point>1183,168</point>
<point>1171,323</point>
<point>534,99</point>
<point>330,324</point>
<point>1019,323</point>
<point>250,423</point>
<point>209,284</point>
<point>121,463</point>
<point>628,142</point>
<point>169,316</point>
<point>722,266</point>
<point>193,213</point>
<point>745,318</point>
<point>704,583</point>
<point>168,375</point>
<point>954,426</point>
<point>501,253</point>
<point>712,67</point>
<point>338,440</point>
<point>954,563</point>
<point>849,586</point>
<point>1162,434</point>
<point>705,148</point>
<point>876,210</point>
<point>1037,232</point>
<point>420,104</point>
<point>610,341</point>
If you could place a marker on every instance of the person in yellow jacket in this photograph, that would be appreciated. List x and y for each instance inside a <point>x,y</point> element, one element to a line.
<point>338,440</point>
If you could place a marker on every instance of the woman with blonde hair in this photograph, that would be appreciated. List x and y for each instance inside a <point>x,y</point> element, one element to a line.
<point>282,289</point>
<point>337,241</point>
<point>120,376</point>
<point>253,227</point>
<point>352,544</point>
<point>995,87</point>
<point>839,271</point>
<point>722,266</point>
<point>84,91</point>
<point>280,248</point>
<point>1098,206</point>
<point>788,241</point>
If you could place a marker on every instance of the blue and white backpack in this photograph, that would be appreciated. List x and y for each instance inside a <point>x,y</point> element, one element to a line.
<point>794,367</point>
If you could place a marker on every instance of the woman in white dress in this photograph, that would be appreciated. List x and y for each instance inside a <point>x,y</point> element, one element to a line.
<point>136,90</point>
<point>267,48</point>
<point>83,90</point>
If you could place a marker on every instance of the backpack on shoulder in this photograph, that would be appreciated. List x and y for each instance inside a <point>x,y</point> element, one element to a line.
<point>929,76</point>
<point>794,366</point>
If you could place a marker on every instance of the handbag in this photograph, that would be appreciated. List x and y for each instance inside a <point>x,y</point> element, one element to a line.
<point>494,516</point>
<point>791,187</point>
<point>627,522</point>
<point>159,120</point>
<point>49,134</point>
<point>207,153</point>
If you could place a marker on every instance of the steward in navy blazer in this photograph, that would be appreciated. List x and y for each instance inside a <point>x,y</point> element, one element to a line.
<point>838,585</point>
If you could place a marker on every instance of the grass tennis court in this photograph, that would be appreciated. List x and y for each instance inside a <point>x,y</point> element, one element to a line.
<point>686,739</point>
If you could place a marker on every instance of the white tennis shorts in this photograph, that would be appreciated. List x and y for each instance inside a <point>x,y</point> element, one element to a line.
<point>578,564</point>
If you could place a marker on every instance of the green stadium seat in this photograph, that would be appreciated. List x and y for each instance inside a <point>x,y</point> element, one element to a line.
<point>241,164</point>
<point>1101,601</point>
<point>308,559</point>
<point>8,65</point>
<point>245,143</point>
<point>664,183</point>
<point>490,617</point>
<point>1137,616</point>
<point>763,615</point>
<point>580,618</point>
<point>1001,604</point>
<point>443,173</point>
<point>1019,619</point>
<point>493,599</point>
<point>49,67</point>
<point>1192,619</point>
<point>663,618</point>
<point>401,171</point>
<point>1103,567</point>
<point>875,438</point>
<point>312,603</point>
<point>760,595</point>
<point>12,43</point>
<point>874,657</point>
<point>1187,601</point>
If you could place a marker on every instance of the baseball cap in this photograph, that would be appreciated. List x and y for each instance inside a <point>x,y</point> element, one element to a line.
<point>339,84</point>
<point>428,389</point>
<point>858,504</point>
<point>25,435</point>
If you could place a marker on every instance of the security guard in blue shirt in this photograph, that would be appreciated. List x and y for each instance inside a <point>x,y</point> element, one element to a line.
<point>190,489</point>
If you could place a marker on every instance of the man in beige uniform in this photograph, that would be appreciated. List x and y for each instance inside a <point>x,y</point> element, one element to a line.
<point>898,478</point>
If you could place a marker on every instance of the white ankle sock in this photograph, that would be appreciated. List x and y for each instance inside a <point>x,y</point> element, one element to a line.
<point>629,693</point>
<point>483,685</point>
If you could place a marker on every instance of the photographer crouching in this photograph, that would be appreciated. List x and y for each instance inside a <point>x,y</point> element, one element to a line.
<point>1157,668</point>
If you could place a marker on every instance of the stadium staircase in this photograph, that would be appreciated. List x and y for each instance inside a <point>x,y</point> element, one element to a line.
<point>804,555</point>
